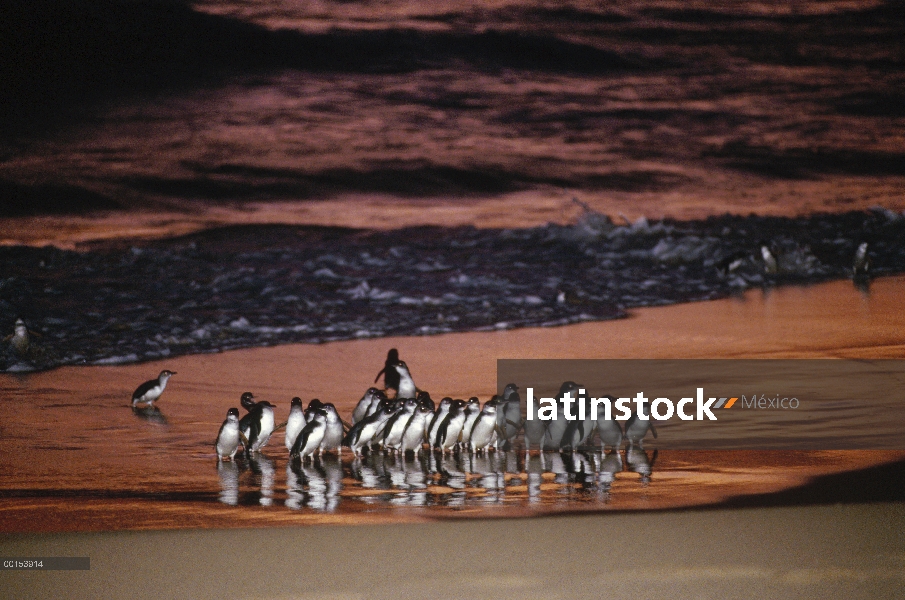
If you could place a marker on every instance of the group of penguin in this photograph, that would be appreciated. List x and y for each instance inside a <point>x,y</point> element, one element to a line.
<point>410,420</point>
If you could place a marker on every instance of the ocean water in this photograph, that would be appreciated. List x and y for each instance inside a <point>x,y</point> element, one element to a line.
<point>167,104</point>
<point>184,106</point>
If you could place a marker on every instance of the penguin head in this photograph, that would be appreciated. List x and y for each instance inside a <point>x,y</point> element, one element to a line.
<point>401,368</point>
<point>20,327</point>
<point>315,404</point>
<point>567,386</point>
<point>510,388</point>
<point>393,356</point>
<point>165,374</point>
<point>410,404</point>
<point>425,399</point>
<point>232,415</point>
<point>295,404</point>
<point>473,401</point>
<point>247,401</point>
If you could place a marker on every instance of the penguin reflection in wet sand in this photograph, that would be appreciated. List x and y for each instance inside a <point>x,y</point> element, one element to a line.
<point>390,375</point>
<point>228,438</point>
<point>151,390</point>
<point>257,425</point>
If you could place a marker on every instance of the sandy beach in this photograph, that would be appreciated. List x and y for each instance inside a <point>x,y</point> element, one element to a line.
<point>82,461</point>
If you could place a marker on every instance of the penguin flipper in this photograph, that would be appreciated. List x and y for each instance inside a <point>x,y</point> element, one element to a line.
<point>382,371</point>
<point>244,440</point>
<point>280,426</point>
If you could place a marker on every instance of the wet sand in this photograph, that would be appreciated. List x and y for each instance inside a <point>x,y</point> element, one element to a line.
<point>78,459</point>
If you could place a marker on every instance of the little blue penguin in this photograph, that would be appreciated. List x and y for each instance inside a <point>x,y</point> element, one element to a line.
<point>483,433</point>
<point>228,438</point>
<point>151,390</point>
<point>406,387</point>
<point>389,372</point>
<point>295,423</point>
<point>257,425</point>
<point>333,430</point>
<point>311,436</point>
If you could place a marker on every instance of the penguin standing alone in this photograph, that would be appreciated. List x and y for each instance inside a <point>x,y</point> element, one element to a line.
<point>151,390</point>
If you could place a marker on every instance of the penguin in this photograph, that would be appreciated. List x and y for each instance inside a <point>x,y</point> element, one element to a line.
<point>257,426</point>
<point>610,431</point>
<point>398,423</point>
<point>450,429</point>
<point>472,410</point>
<point>363,406</point>
<point>770,265</point>
<point>535,433</point>
<point>636,429</point>
<point>439,415</point>
<point>311,436</point>
<point>406,388</point>
<point>425,398</point>
<point>247,401</point>
<point>484,429</point>
<point>362,433</point>
<point>151,390</point>
<point>556,429</point>
<point>20,338</point>
<point>295,423</point>
<point>731,263</point>
<point>390,374</point>
<point>578,431</point>
<point>228,437</point>
<point>333,431</point>
<point>315,404</point>
<point>860,265</point>
<point>413,434</point>
<point>509,413</point>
